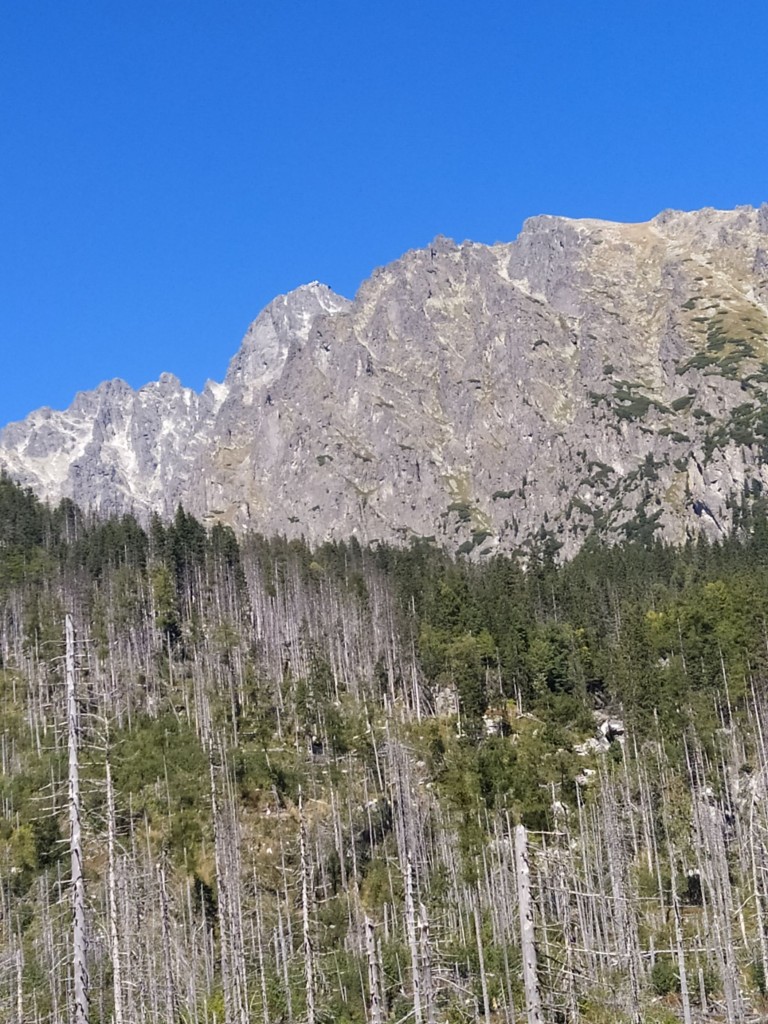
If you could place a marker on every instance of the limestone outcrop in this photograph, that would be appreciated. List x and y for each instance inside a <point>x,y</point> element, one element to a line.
<point>589,375</point>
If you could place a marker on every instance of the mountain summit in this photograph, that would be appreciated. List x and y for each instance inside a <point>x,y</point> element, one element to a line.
<point>589,375</point>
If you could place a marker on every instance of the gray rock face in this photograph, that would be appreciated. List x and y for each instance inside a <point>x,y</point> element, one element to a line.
<point>114,449</point>
<point>588,375</point>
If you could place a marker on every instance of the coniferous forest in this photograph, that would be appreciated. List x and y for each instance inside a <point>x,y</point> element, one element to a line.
<point>378,785</point>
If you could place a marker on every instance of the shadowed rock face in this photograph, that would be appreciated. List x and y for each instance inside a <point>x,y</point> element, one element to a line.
<point>587,375</point>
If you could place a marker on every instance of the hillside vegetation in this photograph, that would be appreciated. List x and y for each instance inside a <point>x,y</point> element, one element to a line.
<point>303,770</point>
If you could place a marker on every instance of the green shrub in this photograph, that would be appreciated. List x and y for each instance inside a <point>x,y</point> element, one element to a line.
<point>664,977</point>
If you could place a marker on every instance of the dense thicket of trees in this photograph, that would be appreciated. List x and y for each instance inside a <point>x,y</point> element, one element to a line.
<point>302,770</point>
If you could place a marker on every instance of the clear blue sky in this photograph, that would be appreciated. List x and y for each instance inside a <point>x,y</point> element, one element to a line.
<point>167,167</point>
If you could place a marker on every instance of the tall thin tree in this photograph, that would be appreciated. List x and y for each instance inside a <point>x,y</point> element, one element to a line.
<point>79,940</point>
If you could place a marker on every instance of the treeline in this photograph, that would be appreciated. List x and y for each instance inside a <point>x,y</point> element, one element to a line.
<point>317,760</point>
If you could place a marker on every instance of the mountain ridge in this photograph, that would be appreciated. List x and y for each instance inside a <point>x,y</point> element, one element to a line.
<point>588,376</point>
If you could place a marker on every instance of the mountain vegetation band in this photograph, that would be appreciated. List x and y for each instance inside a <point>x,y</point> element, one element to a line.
<point>471,723</point>
<point>350,783</point>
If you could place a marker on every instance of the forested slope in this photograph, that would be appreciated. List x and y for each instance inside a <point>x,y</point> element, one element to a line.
<point>319,758</point>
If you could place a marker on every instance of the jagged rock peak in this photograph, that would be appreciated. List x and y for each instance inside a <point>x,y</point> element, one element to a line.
<point>589,375</point>
<point>287,319</point>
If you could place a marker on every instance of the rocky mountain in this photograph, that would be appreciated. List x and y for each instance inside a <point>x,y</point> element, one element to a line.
<point>587,375</point>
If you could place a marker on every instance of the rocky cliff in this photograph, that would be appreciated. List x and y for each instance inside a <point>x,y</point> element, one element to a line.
<point>587,375</point>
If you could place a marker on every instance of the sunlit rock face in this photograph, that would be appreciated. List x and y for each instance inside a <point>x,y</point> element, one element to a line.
<point>589,375</point>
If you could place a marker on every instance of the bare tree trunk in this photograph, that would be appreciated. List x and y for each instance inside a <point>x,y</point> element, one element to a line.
<point>171,999</point>
<point>374,974</point>
<point>226,852</point>
<point>425,951</point>
<point>20,984</point>
<point>114,937</point>
<point>260,955</point>
<point>410,924</point>
<point>481,955</point>
<point>530,974</point>
<point>682,972</point>
<point>309,963</point>
<point>79,942</point>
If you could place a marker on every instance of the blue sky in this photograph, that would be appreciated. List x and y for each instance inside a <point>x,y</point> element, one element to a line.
<point>169,166</point>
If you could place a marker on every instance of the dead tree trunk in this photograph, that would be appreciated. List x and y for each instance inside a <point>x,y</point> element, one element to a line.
<point>413,945</point>
<point>114,936</point>
<point>527,941</point>
<point>171,998</point>
<point>309,964</point>
<point>425,952</point>
<point>681,968</point>
<point>481,954</point>
<point>79,942</point>
<point>374,974</point>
